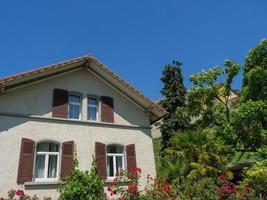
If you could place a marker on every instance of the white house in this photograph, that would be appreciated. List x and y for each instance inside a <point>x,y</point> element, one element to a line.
<point>80,103</point>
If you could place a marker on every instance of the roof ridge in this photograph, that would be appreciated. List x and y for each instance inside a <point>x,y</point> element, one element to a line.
<point>43,68</point>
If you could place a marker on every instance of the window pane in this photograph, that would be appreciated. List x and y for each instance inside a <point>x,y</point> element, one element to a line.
<point>39,166</point>
<point>74,111</point>
<point>92,101</point>
<point>119,166</point>
<point>43,147</point>
<point>115,149</point>
<point>74,99</point>
<point>47,147</point>
<point>110,168</point>
<point>53,147</point>
<point>52,166</point>
<point>92,112</point>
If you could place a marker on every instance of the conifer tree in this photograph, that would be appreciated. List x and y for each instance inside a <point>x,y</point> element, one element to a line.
<point>174,102</point>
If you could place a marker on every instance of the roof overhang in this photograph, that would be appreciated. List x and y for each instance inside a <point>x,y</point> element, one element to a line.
<point>10,83</point>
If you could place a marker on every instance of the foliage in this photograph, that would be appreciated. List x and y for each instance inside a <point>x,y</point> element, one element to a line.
<point>20,195</point>
<point>208,99</point>
<point>174,102</point>
<point>247,124</point>
<point>203,189</point>
<point>194,155</point>
<point>222,135</point>
<point>83,185</point>
<point>240,126</point>
<point>255,74</point>
<point>256,177</point>
<point>156,189</point>
<point>157,151</point>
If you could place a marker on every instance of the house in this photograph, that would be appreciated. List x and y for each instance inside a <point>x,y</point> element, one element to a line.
<point>77,105</point>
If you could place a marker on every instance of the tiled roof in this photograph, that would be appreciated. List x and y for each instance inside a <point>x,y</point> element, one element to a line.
<point>43,69</point>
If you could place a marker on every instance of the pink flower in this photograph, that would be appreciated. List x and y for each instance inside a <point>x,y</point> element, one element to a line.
<point>20,192</point>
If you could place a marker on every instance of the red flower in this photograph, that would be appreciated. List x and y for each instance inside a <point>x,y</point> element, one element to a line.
<point>166,187</point>
<point>19,192</point>
<point>136,169</point>
<point>1,198</point>
<point>221,194</point>
<point>222,177</point>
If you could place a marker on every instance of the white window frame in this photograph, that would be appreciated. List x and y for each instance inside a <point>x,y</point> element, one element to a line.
<point>93,106</point>
<point>75,104</point>
<point>47,154</point>
<point>114,155</point>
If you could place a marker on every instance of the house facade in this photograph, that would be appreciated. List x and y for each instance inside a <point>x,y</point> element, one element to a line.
<point>77,105</point>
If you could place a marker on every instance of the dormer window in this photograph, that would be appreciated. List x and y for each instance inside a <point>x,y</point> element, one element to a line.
<point>92,111</point>
<point>74,107</point>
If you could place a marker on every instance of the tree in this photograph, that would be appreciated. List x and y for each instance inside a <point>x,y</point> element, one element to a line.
<point>195,154</point>
<point>241,126</point>
<point>174,102</point>
<point>255,74</point>
<point>209,99</point>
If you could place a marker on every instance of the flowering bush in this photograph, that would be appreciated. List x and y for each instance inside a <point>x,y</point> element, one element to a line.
<point>228,190</point>
<point>20,195</point>
<point>155,189</point>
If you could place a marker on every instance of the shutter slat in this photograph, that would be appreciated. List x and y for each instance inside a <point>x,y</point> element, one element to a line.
<point>67,159</point>
<point>107,109</point>
<point>100,151</point>
<point>131,156</point>
<point>26,160</point>
<point>60,103</point>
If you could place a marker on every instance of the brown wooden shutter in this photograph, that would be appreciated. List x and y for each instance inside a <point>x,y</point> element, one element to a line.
<point>100,154</point>
<point>26,160</point>
<point>60,103</point>
<point>107,112</point>
<point>131,156</point>
<point>67,159</point>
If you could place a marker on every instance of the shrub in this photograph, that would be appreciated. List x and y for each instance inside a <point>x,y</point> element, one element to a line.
<point>20,195</point>
<point>256,178</point>
<point>83,185</point>
<point>156,189</point>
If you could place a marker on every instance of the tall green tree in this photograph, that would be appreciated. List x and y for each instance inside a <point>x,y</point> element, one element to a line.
<point>174,102</point>
<point>255,74</point>
<point>241,126</point>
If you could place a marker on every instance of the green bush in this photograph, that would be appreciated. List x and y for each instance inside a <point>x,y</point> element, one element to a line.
<point>256,178</point>
<point>83,185</point>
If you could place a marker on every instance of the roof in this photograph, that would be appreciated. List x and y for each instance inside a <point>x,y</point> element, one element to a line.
<point>89,62</point>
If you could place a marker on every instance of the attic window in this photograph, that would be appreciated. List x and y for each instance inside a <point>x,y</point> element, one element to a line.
<point>92,109</point>
<point>74,107</point>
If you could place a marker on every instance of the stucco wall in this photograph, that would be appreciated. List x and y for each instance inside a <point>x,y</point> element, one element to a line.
<point>37,100</point>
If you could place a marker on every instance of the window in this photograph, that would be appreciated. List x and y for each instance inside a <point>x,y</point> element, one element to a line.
<point>115,160</point>
<point>74,107</point>
<point>92,111</point>
<point>47,162</point>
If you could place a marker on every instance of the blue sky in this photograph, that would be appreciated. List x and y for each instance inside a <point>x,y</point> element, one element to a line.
<point>134,38</point>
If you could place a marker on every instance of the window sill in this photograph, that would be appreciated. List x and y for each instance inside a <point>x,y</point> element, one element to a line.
<point>121,183</point>
<point>42,183</point>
